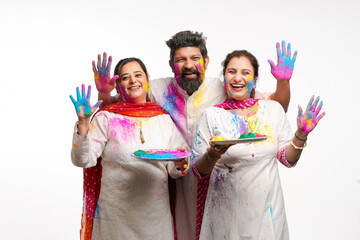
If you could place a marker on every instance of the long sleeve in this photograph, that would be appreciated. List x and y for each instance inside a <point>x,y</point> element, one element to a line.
<point>177,140</point>
<point>284,136</point>
<point>203,133</point>
<point>87,149</point>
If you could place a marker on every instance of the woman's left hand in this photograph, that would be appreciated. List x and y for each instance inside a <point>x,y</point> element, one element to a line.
<point>183,164</point>
<point>285,65</point>
<point>308,120</point>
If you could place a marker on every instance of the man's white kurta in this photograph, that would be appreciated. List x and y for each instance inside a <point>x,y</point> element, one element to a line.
<point>244,198</point>
<point>134,198</point>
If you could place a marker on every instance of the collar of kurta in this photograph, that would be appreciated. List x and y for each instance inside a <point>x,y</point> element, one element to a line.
<point>237,104</point>
<point>147,109</point>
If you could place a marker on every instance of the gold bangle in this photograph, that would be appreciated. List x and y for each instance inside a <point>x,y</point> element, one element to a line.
<point>298,148</point>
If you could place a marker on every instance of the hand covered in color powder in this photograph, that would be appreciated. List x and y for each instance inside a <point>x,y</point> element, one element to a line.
<point>83,108</point>
<point>219,149</point>
<point>307,122</point>
<point>285,65</point>
<point>183,164</point>
<point>104,83</point>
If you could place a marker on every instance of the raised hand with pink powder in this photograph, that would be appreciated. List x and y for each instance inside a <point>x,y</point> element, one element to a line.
<point>308,120</point>
<point>104,83</point>
<point>285,64</point>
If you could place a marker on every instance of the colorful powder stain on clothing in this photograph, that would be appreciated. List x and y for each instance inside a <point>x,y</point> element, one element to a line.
<point>199,95</point>
<point>161,154</point>
<point>91,127</point>
<point>241,124</point>
<point>259,127</point>
<point>272,217</point>
<point>174,103</point>
<point>198,98</point>
<point>123,126</point>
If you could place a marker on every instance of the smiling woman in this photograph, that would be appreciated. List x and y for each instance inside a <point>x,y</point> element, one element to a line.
<point>243,185</point>
<point>123,195</point>
<point>132,84</point>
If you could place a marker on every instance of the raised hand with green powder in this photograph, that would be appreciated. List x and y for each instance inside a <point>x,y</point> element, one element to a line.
<point>84,110</point>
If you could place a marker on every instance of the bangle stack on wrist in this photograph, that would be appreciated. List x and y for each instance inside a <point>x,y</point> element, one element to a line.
<point>301,139</point>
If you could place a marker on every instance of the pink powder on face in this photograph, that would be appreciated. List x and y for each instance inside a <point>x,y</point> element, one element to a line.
<point>177,73</point>
<point>124,127</point>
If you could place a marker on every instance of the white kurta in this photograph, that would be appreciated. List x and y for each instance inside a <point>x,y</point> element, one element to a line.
<point>244,198</point>
<point>134,198</point>
<point>186,110</point>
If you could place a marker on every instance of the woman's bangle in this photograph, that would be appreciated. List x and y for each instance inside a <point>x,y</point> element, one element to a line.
<point>298,148</point>
<point>301,139</point>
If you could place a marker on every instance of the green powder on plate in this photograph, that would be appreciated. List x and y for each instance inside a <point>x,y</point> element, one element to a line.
<point>249,135</point>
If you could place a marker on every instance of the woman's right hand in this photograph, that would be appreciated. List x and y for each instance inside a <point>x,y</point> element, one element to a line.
<point>215,151</point>
<point>104,83</point>
<point>84,110</point>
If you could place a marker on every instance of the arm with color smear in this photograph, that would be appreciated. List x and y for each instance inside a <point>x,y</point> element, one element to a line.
<point>306,122</point>
<point>283,72</point>
<point>84,110</point>
<point>104,83</point>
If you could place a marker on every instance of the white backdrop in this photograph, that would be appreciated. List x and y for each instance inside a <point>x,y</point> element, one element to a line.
<point>46,49</point>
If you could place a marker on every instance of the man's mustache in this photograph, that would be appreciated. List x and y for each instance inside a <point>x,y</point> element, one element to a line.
<point>190,71</point>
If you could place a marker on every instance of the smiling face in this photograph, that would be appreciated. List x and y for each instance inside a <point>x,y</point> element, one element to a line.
<point>239,78</point>
<point>132,83</point>
<point>189,68</point>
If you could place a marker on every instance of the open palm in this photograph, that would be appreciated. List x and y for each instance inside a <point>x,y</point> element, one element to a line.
<point>285,65</point>
<point>83,107</point>
<point>308,120</point>
<point>104,83</point>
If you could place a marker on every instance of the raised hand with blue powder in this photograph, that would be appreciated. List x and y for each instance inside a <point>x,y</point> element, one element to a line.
<point>84,110</point>
<point>285,64</point>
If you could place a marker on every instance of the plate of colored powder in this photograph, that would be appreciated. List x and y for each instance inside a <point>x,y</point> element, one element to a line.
<point>244,138</point>
<point>160,154</point>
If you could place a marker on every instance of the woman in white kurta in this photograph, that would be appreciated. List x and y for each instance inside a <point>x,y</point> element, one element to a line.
<point>244,199</point>
<point>134,198</point>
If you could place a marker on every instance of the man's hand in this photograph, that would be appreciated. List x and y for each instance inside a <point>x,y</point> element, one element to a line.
<point>285,65</point>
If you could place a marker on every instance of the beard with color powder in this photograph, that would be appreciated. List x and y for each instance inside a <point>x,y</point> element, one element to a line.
<point>190,85</point>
